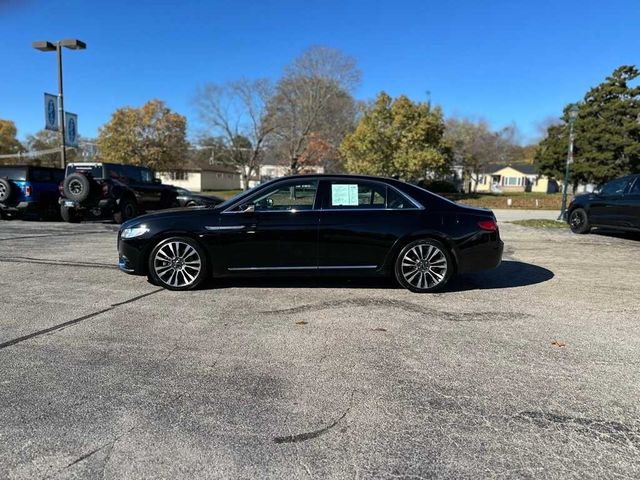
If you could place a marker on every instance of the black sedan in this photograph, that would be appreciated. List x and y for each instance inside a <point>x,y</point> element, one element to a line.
<point>186,198</point>
<point>615,206</point>
<point>317,224</point>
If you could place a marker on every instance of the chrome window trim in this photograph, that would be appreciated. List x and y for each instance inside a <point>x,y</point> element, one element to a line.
<point>416,205</point>
<point>336,267</point>
<point>224,227</point>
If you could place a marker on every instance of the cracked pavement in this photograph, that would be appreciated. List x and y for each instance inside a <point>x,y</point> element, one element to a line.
<point>530,370</point>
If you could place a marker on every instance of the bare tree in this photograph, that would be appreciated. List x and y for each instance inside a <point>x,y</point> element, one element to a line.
<point>475,146</point>
<point>313,100</point>
<point>236,113</point>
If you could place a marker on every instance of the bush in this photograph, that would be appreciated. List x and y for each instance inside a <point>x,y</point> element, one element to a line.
<point>438,186</point>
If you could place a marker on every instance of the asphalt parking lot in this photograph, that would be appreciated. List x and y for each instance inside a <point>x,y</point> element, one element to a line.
<point>530,370</point>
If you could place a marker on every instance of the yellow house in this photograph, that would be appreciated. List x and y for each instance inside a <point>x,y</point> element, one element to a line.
<point>512,178</point>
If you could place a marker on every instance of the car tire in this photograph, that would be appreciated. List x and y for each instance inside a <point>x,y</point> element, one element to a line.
<point>77,187</point>
<point>128,210</point>
<point>579,221</point>
<point>177,263</point>
<point>5,190</point>
<point>70,215</point>
<point>191,204</point>
<point>424,266</point>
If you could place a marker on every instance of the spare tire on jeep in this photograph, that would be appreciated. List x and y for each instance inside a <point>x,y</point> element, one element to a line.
<point>5,190</point>
<point>77,187</point>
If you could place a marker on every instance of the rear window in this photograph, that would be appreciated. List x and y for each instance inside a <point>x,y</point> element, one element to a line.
<point>94,170</point>
<point>14,173</point>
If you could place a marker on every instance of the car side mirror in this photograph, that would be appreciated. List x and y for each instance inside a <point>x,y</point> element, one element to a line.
<point>247,208</point>
<point>157,181</point>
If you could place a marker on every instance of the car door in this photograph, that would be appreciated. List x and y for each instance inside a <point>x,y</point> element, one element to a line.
<point>359,223</point>
<point>631,204</point>
<point>275,229</point>
<point>606,207</point>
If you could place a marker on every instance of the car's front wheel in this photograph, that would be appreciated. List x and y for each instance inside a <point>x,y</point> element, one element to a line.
<point>424,266</point>
<point>177,263</point>
<point>579,221</point>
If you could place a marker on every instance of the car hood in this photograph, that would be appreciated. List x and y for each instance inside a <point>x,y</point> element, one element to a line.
<point>166,214</point>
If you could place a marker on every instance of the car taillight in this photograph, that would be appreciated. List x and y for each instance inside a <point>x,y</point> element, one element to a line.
<point>27,190</point>
<point>488,225</point>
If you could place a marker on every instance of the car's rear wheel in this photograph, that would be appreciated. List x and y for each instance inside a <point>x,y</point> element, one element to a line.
<point>177,263</point>
<point>5,190</point>
<point>128,210</point>
<point>579,221</point>
<point>70,215</point>
<point>424,266</point>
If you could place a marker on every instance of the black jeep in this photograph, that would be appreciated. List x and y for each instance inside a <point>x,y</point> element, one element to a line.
<point>109,189</point>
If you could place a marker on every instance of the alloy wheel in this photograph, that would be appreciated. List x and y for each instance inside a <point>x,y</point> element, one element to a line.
<point>3,192</point>
<point>424,266</point>
<point>75,187</point>
<point>177,264</point>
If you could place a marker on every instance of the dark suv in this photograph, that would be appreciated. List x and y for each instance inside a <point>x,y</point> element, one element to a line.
<point>121,191</point>
<point>29,189</point>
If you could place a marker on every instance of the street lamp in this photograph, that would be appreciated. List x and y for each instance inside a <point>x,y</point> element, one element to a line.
<point>573,114</point>
<point>71,44</point>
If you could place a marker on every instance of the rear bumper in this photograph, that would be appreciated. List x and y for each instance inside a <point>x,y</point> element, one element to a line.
<point>103,204</point>
<point>483,256</point>
<point>20,207</point>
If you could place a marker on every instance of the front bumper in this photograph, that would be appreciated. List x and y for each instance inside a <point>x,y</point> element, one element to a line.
<point>131,256</point>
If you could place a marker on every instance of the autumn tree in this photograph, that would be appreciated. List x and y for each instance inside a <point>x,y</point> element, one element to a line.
<point>398,137</point>
<point>235,113</point>
<point>151,136</point>
<point>313,100</point>
<point>9,143</point>
<point>607,133</point>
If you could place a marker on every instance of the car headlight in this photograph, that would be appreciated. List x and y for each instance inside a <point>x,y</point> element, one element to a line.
<point>133,232</point>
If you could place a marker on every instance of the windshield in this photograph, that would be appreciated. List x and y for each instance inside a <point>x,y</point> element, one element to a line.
<point>14,173</point>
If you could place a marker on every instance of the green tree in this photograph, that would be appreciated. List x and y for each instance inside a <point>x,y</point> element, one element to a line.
<point>151,136</point>
<point>397,138</point>
<point>8,138</point>
<point>607,133</point>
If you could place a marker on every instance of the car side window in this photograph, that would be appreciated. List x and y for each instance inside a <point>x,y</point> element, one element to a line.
<point>133,174</point>
<point>615,187</point>
<point>147,176</point>
<point>353,194</point>
<point>292,196</point>
<point>396,201</point>
<point>635,189</point>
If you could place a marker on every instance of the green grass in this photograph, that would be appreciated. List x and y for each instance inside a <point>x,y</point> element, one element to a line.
<point>540,223</point>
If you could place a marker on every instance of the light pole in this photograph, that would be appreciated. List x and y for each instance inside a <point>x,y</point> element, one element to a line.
<point>72,44</point>
<point>573,114</point>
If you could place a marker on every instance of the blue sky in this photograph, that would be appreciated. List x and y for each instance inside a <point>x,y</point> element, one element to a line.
<point>503,60</point>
